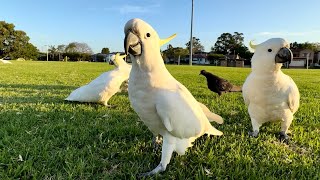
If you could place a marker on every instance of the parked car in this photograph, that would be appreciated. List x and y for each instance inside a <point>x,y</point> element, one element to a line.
<point>7,58</point>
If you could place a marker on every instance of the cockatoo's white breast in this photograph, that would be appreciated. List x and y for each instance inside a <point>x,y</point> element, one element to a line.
<point>142,98</point>
<point>267,96</point>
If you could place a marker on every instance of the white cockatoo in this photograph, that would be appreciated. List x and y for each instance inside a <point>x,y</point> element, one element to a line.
<point>164,105</point>
<point>101,89</point>
<point>270,94</point>
<point>5,61</point>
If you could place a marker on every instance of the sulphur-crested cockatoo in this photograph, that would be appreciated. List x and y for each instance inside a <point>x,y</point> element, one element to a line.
<point>5,61</point>
<point>269,93</point>
<point>101,89</point>
<point>162,103</point>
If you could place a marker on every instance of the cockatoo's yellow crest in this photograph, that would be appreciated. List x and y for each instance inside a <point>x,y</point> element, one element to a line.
<point>164,41</point>
<point>119,57</point>
<point>253,46</point>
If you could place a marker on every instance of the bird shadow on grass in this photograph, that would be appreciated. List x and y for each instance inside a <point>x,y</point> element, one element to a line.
<point>28,93</point>
<point>37,87</point>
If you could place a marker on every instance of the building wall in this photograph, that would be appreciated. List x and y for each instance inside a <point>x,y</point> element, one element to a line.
<point>304,52</point>
<point>297,63</point>
<point>224,63</point>
<point>239,63</point>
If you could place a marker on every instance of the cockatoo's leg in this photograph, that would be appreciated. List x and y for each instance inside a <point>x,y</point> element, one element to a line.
<point>285,124</point>
<point>255,127</point>
<point>156,141</point>
<point>167,150</point>
<point>108,105</point>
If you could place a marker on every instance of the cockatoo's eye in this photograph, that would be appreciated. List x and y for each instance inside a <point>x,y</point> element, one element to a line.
<point>148,34</point>
<point>269,50</point>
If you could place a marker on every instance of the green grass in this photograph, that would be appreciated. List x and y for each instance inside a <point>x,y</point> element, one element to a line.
<point>62,140</point>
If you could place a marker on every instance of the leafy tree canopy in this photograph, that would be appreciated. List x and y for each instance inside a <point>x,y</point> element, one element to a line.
<point>228,43</point>
<point>76,47</point>
<point>174,52</point>
<point>305,45</point>
<point>15,43</point>
<point>196,45</point>
<point>105,50</point>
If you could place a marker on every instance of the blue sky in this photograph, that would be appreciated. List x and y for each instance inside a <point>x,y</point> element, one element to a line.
<point>99,23</point>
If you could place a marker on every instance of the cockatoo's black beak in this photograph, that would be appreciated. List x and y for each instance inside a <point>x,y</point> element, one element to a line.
<point>132,44</point>
<point>284,55</point>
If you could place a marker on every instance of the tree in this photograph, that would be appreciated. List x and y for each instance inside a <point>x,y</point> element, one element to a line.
<point>53,51</point>
<point>305,45</point>
<point>173,53</point>
<point>79,48</point>
<point>15,43</point>
<point>231,44</point>
<point>295,45</point>
<point>29,51</point>
<point>168,53</point>
<point>71,48</point>
<point>179,51</point>
<point>105,50</point>
<point>196,45</point>
<point>78,51</point>
<point>61,49</point>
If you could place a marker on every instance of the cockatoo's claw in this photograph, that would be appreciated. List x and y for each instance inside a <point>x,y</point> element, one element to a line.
<point>284,137</point>
<point>156,142</point>
<point>156,170</point>
<point>253,134</point>
<point>111,106</point>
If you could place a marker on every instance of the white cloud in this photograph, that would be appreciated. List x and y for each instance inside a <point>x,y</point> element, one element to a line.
<point>127,9</point>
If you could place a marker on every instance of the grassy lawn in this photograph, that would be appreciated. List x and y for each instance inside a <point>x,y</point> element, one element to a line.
<point>44,137</point>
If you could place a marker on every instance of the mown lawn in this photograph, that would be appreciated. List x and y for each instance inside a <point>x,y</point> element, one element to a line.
<point>44,137</point>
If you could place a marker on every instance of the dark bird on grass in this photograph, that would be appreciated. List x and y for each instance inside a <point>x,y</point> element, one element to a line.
<point>219,85</point>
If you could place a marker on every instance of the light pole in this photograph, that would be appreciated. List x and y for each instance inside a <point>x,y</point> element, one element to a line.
<point>191,39</point>
<point>47,53</point>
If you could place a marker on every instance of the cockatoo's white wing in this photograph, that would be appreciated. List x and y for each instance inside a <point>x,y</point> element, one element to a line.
<point>90,92</point>
<point>245,91</point>
<point>181,114</point>
<point>210,115</point>
<point>5,61</point>
<point>105,86</point>
<point>179,118</point>
<point>293,97</point>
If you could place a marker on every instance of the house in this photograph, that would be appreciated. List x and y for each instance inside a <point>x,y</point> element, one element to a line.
<point>198,58</point>
<point>297,62</point>
<point>300,57</point>
<point>232,61</point>
<point>100,57</point>
<point>316,59</point>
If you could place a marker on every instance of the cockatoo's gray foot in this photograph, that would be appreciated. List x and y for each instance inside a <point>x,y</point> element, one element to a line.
<point>284,137</point>
<point>156,170</point>
<point>156,142</point>
<point>253,134</point>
